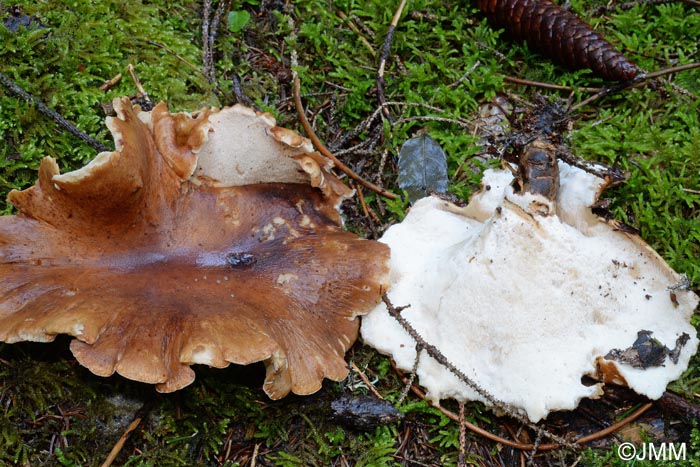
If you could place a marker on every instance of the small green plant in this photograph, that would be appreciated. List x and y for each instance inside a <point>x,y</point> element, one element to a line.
<point>237,20</point>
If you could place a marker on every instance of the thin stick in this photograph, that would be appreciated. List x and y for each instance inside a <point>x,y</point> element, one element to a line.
<point>668,71</point>
<point>461,458</point>
<point>395,312</point>
<point>109,83</point>
<point>384,56</point>
<point>640,80</point>
<point>365,380</point>
<point>357,31</point>
<point>614,427</point>
<point>411,378</point>
<point>323,150</point>
<point>453,416</point>
<point>428,118</point>
<point>176,55</point>
<point>629,5</point>
<point>366,124</point>
<point>238,93</point>
<point>465,75</point>
<point>52,114</point>
<point>214,27</point>
<point>599,94</point>
<point>438,356</point>
<point>361,197</point>
<point>527,446</point>
<point>137,81</point>
<point>539,84</point>
<point>207,56</point>
<point>120,443</point>
<point>254,459</point>
<point>535,445</point>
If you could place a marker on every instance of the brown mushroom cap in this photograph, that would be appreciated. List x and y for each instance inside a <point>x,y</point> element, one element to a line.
<point>153,271</point>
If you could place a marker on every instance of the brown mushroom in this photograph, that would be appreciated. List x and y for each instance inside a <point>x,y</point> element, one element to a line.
<point>153,270</point>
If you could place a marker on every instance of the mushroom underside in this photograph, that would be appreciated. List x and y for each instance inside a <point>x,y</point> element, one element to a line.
<point>526,304</point>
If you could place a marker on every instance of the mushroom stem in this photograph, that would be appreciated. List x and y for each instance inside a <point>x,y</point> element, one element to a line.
<point>324,150</point>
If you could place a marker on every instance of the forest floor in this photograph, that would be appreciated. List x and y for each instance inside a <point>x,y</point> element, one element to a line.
<point>445,63</point>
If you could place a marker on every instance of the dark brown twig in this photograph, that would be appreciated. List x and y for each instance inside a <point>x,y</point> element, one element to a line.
<point>435,353</point>
<point>640,80</point>
<point>175,54</point>
<point>668,71</point>
<point>629,5</point>
<point>324,150</point>
<point>461,460</point>
<point>207,54</point>
<point>679,406</point>
<point>528,446</point>
<point>384,56</point>
<point>52,114</point>
<point>538,84</point>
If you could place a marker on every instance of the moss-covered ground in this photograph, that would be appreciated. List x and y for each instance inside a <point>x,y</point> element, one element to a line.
<point>444,55</point>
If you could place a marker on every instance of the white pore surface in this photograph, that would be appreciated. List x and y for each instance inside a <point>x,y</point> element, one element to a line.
<point>241,151</point>
<point>523,304</point>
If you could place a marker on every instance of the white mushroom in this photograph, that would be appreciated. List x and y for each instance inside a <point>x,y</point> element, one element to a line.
<point>526,304</point>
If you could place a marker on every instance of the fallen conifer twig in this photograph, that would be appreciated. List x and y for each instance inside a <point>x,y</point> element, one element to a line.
<point>461,459</point>
<point>639,81</point>
<point>176,55</point>
<point>539,84</point>
<point>535,447</point>
<point>357,31</point>
<point>324,150</point>
<point>366,380</point>
<point>629,5</point>
<point>17,90</point>
<point>367,123</point>
<point>384,56</point>
<point>207,55</point>
<point>210,27</point>
<point>438,356</point>
<point>137,82</point>
<point>527,446</point>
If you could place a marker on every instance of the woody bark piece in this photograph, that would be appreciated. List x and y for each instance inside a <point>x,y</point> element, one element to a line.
<point>154,270</point>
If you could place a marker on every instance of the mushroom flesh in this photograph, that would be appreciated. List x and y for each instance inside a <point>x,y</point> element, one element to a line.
<point>526,295</point>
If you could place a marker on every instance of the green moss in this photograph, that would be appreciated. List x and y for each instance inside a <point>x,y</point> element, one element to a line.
<point>63,63</point>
